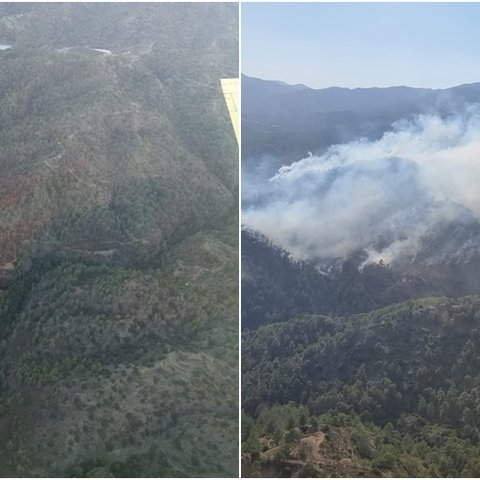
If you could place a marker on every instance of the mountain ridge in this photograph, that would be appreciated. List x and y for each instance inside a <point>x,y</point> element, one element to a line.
<point>250,79</point>
<point>286,123</point>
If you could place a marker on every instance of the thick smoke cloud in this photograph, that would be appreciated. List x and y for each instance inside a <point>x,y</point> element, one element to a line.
<point>381,196</point>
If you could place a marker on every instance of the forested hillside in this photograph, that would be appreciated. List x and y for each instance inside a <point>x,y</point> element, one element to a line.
<point>389,393</point>
<point>276,286</point>
<point>340,379</point>
<point>118,240</point>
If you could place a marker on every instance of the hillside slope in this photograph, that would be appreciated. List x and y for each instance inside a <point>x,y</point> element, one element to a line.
<point>277,287</point>
<point>118,243</point>
<point>394,392</point>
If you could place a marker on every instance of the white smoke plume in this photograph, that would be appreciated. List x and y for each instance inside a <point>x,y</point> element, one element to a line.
<point>380,196</point>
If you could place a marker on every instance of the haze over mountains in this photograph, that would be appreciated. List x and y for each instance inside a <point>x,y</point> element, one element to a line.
<point>288,121</point>
<point>118,240</point>
<point>361,217</point>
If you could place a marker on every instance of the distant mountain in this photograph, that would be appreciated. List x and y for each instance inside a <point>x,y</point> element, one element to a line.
<point>118,241</point>
<point>288,121</point>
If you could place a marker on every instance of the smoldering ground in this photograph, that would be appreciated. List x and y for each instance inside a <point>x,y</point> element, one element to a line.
<point>381,196</point>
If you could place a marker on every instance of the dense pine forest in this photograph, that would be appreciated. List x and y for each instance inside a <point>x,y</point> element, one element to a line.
<point>389,393</point>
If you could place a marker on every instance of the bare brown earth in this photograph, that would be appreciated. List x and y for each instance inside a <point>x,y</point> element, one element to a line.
<point>313,454</point>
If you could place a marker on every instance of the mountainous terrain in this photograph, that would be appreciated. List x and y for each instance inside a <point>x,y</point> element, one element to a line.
<point>118,240</point>
<point>287,121</point>
<point>276,287</point>
<point>360,281</point>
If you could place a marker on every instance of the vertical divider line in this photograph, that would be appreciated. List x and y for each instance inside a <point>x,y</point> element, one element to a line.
<point>240,241</point>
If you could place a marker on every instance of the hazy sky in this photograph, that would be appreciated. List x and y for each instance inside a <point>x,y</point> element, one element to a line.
<point>362,44</point>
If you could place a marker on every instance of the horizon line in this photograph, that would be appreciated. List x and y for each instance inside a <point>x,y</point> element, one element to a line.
<point>300,84</point>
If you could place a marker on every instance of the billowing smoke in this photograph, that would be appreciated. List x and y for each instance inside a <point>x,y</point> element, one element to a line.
<point>380,196</point>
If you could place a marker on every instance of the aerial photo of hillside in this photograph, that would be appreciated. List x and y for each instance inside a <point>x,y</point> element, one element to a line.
<point>118,240</point>
<point>360,241</point>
